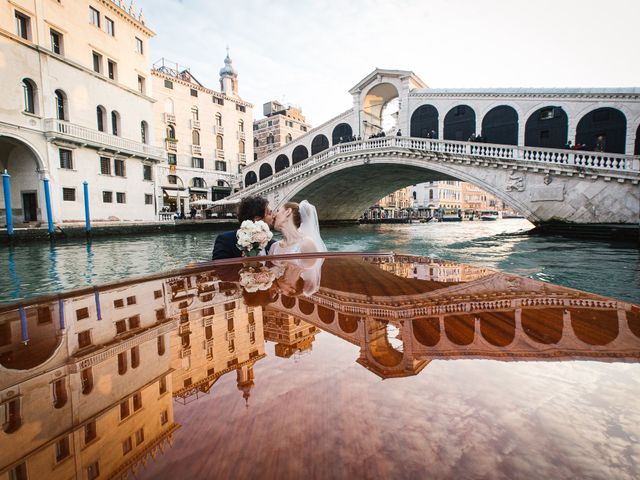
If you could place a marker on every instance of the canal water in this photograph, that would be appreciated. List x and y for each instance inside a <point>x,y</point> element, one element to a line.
<point>593,266</point>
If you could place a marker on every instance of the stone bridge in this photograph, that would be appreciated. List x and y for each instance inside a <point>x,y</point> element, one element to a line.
<point>523,161</point>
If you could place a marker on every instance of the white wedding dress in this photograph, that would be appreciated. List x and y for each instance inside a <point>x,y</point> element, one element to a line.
<point>310,230</point>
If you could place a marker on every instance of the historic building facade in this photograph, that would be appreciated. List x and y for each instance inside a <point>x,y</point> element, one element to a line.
<point>280,126</point>
<point>76,107</point>
<point>206,135</point>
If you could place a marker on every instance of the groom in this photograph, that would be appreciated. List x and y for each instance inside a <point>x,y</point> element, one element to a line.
<point>251,208</point>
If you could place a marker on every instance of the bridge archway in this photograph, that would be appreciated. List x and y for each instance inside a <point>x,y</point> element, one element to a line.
<point>282,162</point>
<point>427,331</point>
<point>603,129</point>
<point>424,122</point>
<point>319,143</point>
<point>341,131</point>
<point>299,153</point>
<point>23,162</point>
<point>265,171</point>
<point>373,106</point>
<point>547,127</point>
<point>250,178</point>
<point>341,193</point>
<point>459,123</point>
<point>500,125</point>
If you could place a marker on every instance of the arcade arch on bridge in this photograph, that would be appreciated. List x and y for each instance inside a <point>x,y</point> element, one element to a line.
<point>265,171</point>
<point>424,122</point>
<point>341,133</point>
<point>547,127</point>
<point>500,125</point>
<point>319,144</point>
<point>375,101</point>
<point>299,154</point>
<point>282,162</point>
<point>459,123</point>
<point>603,129</point>
<point>250,178</point>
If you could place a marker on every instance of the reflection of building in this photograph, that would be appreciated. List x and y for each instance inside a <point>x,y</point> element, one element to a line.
<point>290,334</point>
<point>76,106</point>
<point>217,334</point>
<point>280,126</point>
<point>206,134</point>
<point>85,384</point>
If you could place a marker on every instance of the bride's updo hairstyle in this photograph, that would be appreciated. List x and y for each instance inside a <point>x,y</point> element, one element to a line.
<point>295,213</point>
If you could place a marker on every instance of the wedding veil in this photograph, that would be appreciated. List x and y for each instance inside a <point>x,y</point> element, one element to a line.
<point>310,227</point>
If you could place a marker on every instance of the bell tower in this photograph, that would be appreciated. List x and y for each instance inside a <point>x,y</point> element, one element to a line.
<point>228,78</point>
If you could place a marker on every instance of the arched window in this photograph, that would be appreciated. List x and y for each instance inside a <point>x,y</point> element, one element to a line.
<point>198,182</point>
<point>500,125</point>
<point>61,105</point>
<point>115,123</point>
<point>144,132</point>
<point>603,130</point>
<point>12,416</point>
<point>342,132</point>
<point>195,137</point>
<point>424,122</point>
<point>282,162</point>
<point>256,142</point>
<point>430,194</point>
<point>195,114</point>
<point>270,139</point>
<point>547,127</point>
<point>288,138</point>
<point>241,146</point>
<point>59,393</point>
<point>219,142</point>
<point>86,379</point>
<point>161,348</point>
<point>459,123</point>
<point>250,178</point>
<point>29,93</point>
<point>299,154</point>
<point>218,120</point>
<point>171,132</point>
<point>319,143</point>
<point>241,125</point>
<point>101,114</point>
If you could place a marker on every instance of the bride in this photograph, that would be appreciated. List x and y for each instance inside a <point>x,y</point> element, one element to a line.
<point>299,226</point>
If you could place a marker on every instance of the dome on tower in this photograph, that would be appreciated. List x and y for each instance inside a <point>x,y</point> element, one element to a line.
<point>228,68</point>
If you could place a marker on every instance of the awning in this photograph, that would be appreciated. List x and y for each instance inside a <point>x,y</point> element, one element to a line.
<point>198,190</point>
<point>172,187</point>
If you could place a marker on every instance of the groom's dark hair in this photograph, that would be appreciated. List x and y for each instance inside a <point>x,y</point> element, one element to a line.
<point>251,207</point>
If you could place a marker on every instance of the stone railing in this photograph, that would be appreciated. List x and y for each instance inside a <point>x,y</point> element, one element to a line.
<point>55,128</point>
<point>546,157</point>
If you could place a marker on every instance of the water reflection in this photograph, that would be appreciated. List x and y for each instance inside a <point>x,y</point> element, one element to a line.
<point>87,378</point>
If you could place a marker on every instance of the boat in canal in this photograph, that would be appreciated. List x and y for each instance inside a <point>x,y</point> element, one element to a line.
<point>329,365</point>
<point>490,215</point>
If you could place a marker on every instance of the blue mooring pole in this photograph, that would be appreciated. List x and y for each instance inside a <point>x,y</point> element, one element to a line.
<point>6,185</point>
<point>23,325</point>
<point>87,218</point>
<point>47,200</point>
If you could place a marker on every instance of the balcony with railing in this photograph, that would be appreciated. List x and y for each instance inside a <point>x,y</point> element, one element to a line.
<point>242,158</point>
<point>241,135</point>
<point>60,130</point>
<point>196,150</point>
<point>218,130</point>
<point>169,118</point>
<point>219,153</point>
<point>195,124</point>
<point>171,144</point>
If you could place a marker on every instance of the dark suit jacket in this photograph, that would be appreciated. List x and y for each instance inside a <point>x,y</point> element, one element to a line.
<point>225,246</point>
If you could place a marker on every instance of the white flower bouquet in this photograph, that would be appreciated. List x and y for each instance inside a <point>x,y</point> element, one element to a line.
<point>253,237</point>
<point>253,279</point>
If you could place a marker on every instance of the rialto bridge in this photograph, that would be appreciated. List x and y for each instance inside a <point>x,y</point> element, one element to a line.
<point>523,160</point>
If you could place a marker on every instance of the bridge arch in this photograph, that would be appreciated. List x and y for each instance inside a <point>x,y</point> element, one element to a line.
<point>424,122</point>
<point>282,162</point>
<point>427,331</point>
<point>250,178</point>
<point>548,127</point>
<point>348,323</point>
<point>374,102</point>
<point>500,125</point>
<point>265,171</point>
<point>326,314</point>
<point>319,143</point>
<point>299,153</point>
<point>341,131</point>
<point>332,190</point>
<point>594,327</point>
<point>603,129</point>
<point>459,123</point>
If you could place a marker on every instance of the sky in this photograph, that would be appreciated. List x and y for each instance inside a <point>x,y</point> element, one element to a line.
<point>310,53</point>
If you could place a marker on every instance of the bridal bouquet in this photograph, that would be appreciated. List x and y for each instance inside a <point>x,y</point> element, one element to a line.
<point>253,237</point>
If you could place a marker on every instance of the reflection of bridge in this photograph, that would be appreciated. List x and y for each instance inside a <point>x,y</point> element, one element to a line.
<point>525,163</point>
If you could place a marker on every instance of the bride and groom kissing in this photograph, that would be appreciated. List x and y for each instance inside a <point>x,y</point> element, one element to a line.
<point>298,224</point>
